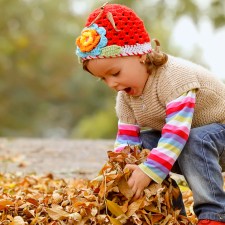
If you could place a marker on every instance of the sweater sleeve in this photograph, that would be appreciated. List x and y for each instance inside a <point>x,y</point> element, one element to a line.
<point>127,135</point>
<point>179,114</point>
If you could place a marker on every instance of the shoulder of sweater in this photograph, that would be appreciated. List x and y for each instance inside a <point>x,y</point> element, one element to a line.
<point>177,63</point>
<point>176,77</point>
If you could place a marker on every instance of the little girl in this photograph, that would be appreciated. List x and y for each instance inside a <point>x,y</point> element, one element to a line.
<point>181,102</point>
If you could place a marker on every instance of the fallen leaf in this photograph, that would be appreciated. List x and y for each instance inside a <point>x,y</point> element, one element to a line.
<point>114,221</point>
<point>114,208</point>
<point>56,213</point>
<point>125,189</point>
<point>4,203</point>
<point>17,220</point>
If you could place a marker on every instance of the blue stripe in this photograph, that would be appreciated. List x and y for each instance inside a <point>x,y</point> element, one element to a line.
<point>127,142</point>
<point>130,138</point>
<point>173,141</point>
<point>157,168</point>
<point>176,137</point>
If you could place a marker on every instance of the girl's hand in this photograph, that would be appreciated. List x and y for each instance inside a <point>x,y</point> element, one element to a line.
<point>138,180</point>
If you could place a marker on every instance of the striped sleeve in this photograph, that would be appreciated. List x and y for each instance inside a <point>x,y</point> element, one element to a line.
<point>127,135</point>
<point>175,133</point>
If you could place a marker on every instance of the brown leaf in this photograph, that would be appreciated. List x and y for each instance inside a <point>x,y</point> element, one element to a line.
<point>134,206</point>
<point>114,221</point>
<point>155,218</point>
<point>4,203</point>
<point>33,201</point>
<point>114,208</point>
<point>125,189</point>
<point>152,208</point>
<point>56,213</point>
<point>17,220</point>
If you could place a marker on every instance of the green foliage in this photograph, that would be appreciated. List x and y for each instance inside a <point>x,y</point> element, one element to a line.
<point>102,124</point>
<point>43,90</point>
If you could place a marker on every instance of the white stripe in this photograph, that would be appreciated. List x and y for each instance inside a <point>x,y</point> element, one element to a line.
<point>137,49</point>
<point>179,124</point>
<point>127,50</point>
<point>168,152</point>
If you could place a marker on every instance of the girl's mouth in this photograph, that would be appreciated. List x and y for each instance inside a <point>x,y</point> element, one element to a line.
<point>128,90</point>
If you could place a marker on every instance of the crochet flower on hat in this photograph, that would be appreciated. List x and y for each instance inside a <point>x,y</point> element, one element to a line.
<point>91,41</point>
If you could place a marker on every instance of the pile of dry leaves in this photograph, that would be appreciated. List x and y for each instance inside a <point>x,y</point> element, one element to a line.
<point>105,200</point>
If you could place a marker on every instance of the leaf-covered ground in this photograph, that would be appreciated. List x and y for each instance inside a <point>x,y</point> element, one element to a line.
<point>104,200</point>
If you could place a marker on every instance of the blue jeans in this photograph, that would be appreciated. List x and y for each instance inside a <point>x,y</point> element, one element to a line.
<point>201,162</point>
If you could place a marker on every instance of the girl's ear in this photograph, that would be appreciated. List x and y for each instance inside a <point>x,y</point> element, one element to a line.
<point>143,58</point>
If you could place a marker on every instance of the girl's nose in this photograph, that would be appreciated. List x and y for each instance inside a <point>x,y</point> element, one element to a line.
<point>112,83</point>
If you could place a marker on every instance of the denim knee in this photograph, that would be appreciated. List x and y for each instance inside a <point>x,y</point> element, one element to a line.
<point>212,136</point>
<point>205,146</point>
<point>199,162</point>
<point>150,138</point>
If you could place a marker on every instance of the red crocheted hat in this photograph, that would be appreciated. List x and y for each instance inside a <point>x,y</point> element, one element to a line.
<point>111,31</point>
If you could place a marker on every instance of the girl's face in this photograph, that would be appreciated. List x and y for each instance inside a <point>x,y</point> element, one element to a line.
<point>122,73</point>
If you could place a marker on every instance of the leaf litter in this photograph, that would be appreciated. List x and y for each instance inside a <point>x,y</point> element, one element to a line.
<point>105,200</point>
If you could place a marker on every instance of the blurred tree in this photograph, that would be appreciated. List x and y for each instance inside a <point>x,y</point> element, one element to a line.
<point>43,90</point>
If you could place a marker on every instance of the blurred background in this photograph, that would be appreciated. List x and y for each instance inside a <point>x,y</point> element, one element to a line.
<point>43,90</point>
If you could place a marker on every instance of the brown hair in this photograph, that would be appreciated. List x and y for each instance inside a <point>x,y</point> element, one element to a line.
<point>154,59</point>
<point>85,65</point>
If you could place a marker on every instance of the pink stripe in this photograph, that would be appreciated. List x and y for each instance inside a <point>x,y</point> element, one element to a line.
<point>187,106</point>
<point>163,156</point>
<point>119,149</point>
<point>128,127</point>
<point>183,128</point>
<point>175,104</point>
<point>178,132</point>
<point>164,163</point>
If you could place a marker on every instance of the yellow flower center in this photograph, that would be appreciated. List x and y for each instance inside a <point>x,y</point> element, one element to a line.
<point>88,40</point>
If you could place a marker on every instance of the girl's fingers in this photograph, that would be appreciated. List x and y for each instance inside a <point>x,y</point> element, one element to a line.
<point>131,167</point>
<point>134,190</point>
<point>138,194</point>
<point>130,182</point>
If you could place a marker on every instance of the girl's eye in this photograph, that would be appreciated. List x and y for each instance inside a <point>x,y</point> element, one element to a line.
<point>116,74</point>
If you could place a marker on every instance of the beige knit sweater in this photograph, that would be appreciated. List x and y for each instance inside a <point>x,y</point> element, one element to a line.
<point>168,83</point>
